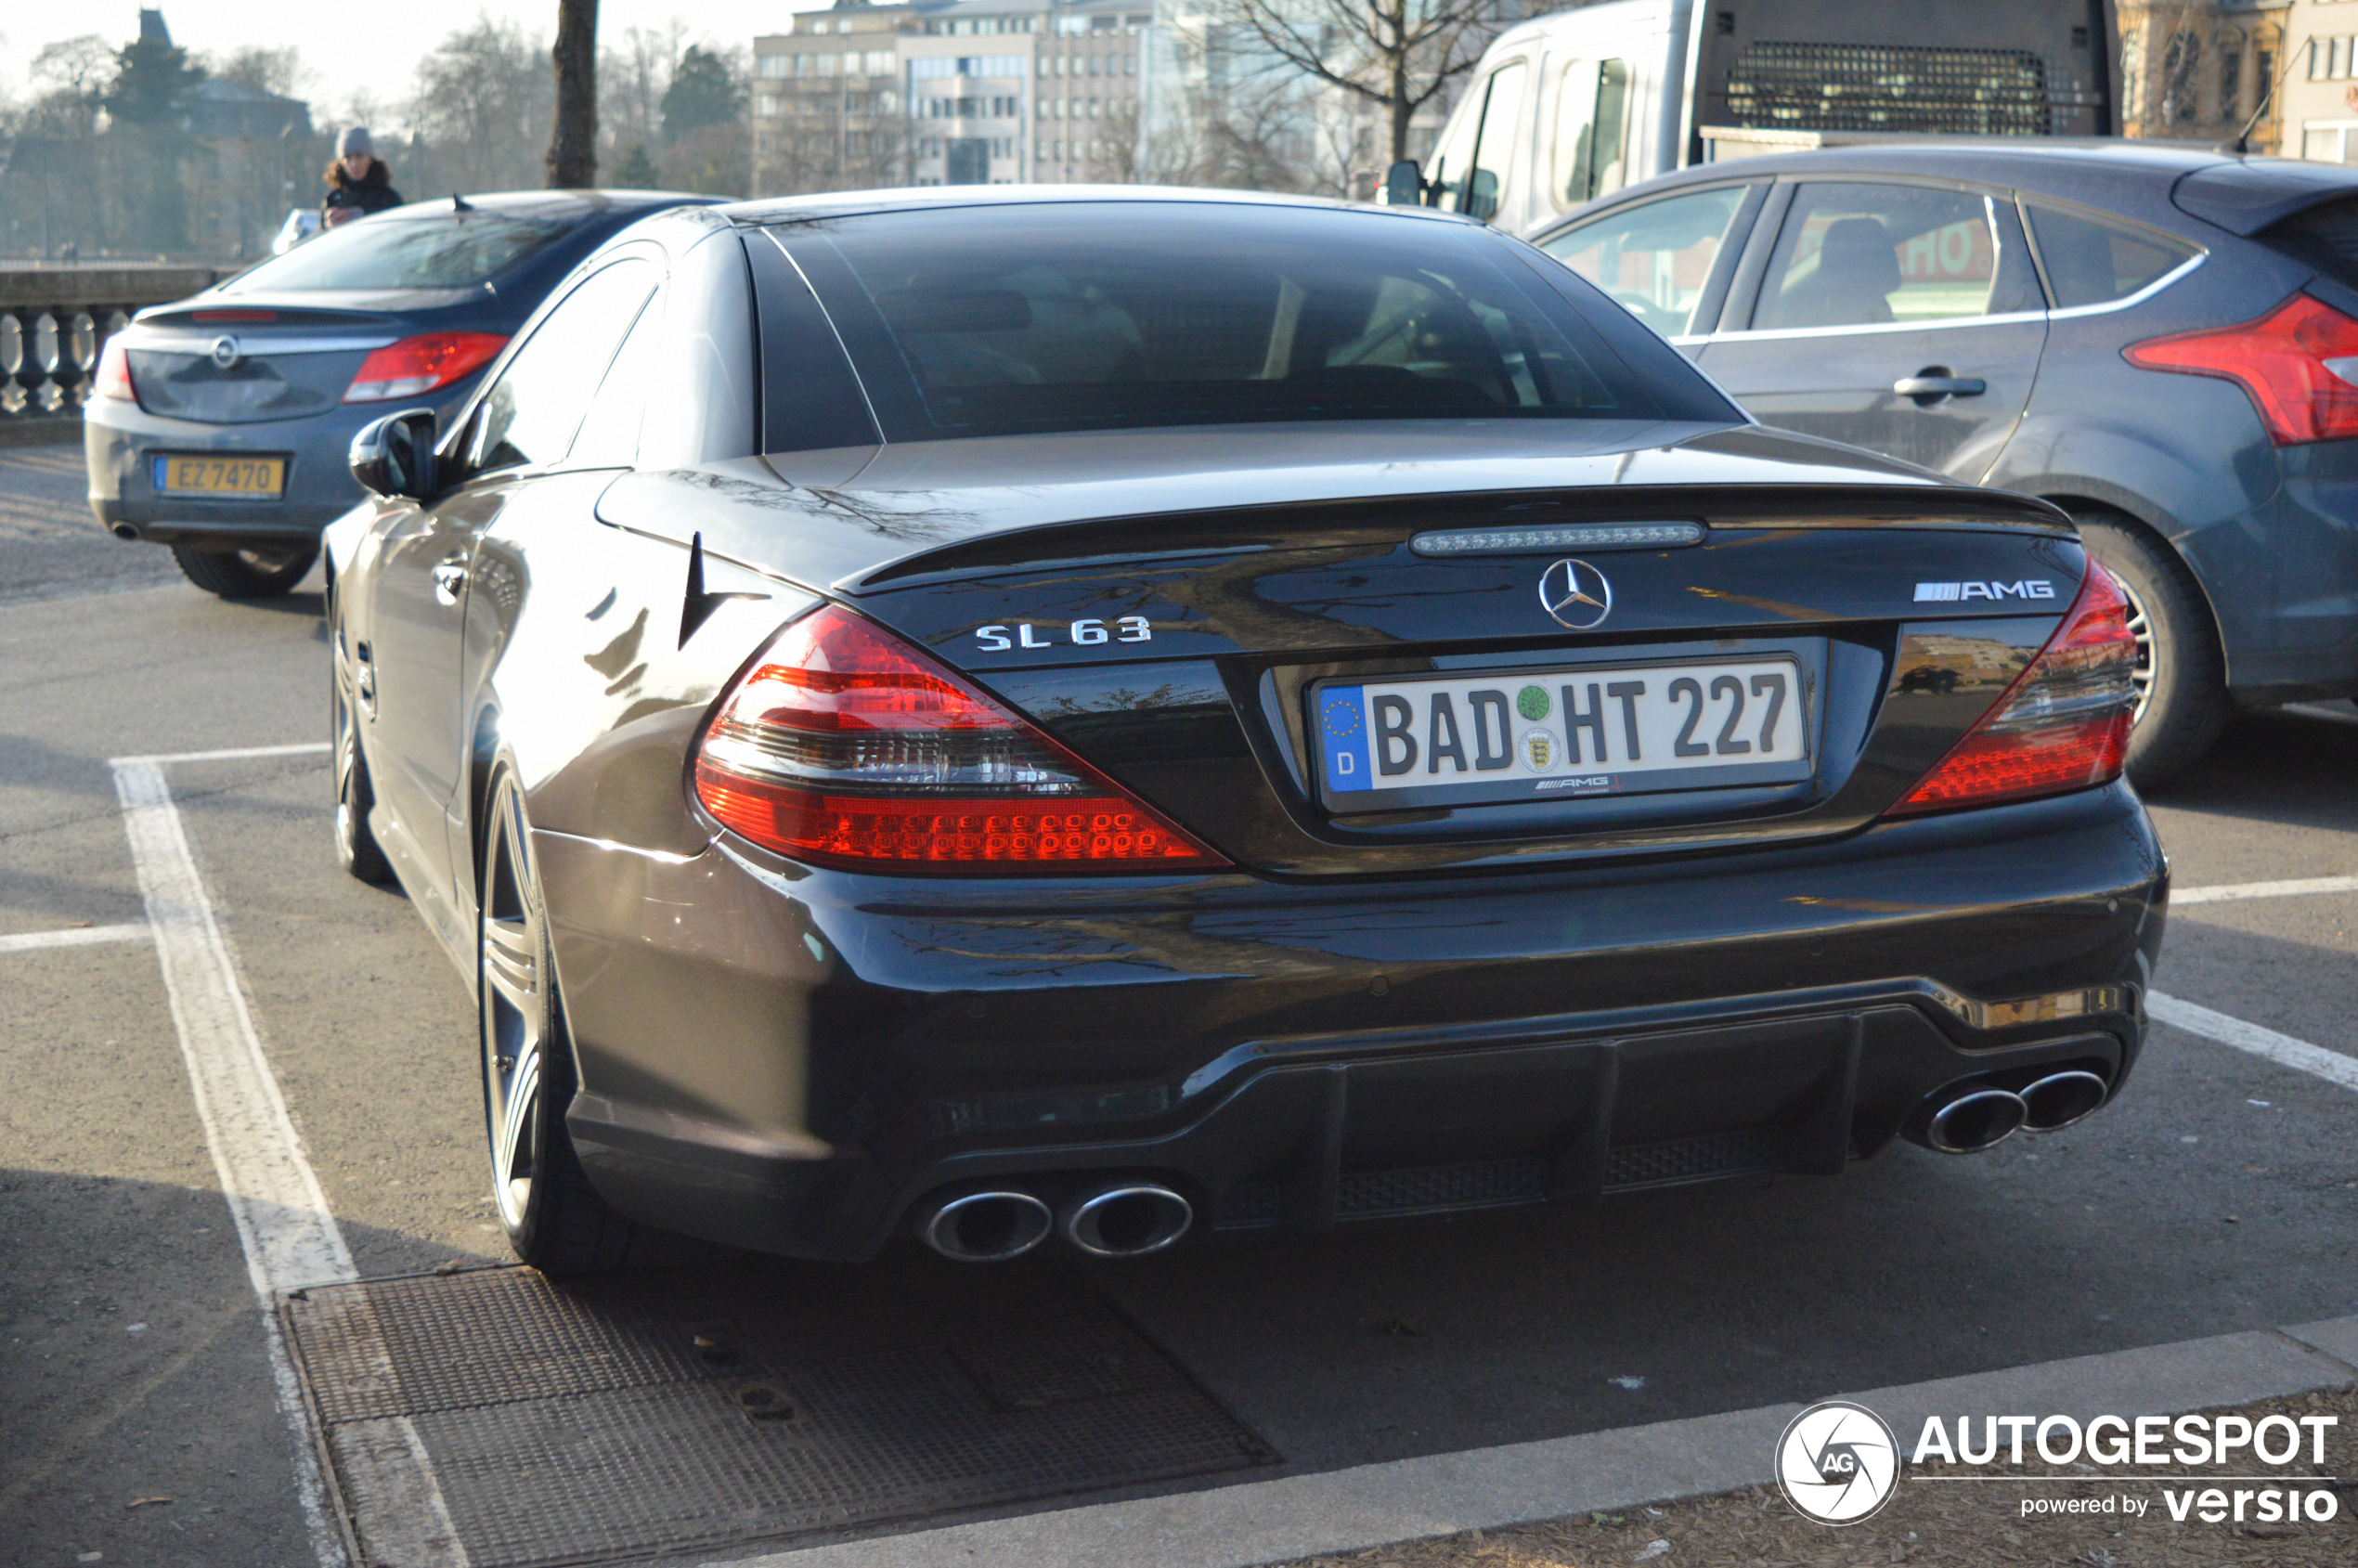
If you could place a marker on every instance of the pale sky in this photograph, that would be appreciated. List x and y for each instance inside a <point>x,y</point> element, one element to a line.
<point>353,46</point>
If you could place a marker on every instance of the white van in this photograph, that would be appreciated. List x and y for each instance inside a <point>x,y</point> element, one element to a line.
<point>1572,105</point>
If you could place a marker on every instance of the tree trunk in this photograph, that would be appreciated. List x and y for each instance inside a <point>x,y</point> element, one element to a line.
<point>573,150</point>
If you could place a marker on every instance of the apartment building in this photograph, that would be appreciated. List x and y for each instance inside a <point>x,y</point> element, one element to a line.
<point>828,112</point>
<point>967,92</point>
<point>2321,90</point>
<point>2208,69</point>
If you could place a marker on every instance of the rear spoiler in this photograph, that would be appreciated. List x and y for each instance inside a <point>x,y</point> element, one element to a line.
<point>2250,194</point>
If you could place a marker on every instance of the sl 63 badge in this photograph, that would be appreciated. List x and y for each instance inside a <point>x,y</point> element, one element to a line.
<point>1084,634</point>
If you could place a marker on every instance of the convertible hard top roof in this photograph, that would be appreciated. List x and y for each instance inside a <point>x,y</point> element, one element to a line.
<point>847,204</point>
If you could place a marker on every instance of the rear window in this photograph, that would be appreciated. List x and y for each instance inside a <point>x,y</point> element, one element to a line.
<point>2090,261</point>
<point>404,250</point>
<point>990,320</point>
<point>2324,237</point>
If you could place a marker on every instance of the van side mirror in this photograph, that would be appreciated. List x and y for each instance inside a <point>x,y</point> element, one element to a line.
<point>1404,184</point>
<point>393,456</point>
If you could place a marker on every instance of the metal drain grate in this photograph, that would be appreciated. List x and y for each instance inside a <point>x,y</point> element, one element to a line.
<point>618,1418</point>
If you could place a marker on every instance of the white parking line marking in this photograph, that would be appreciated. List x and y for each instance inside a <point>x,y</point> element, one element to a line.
<point>2282,1049</point>
<point>77,936</point>
<point>274,1200</point>
<point>233,754</point>
<point>2231,892</point>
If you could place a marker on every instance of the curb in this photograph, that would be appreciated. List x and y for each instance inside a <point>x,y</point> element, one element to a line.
<point>1348,1510</point>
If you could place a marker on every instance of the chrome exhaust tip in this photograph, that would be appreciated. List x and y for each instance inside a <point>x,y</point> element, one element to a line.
<point>126,531</point>
<point>986,1228</point>
<point>2060,1100</point>
<point>1129,1221</point>
<point>1975,1121</point>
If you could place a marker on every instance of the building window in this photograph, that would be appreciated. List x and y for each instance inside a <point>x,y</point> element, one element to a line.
<point>774,65</point>
<point>2179,60</point>
<point>2231,82</point>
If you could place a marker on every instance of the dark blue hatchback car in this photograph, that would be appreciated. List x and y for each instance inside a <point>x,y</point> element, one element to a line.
<point>221,423</point>
<point>2159,338</point>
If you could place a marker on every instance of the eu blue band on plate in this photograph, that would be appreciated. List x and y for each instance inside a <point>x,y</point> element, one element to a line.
<point>1342,737</point>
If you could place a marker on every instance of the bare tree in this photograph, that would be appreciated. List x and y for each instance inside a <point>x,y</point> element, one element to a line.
<point>573,146</point>
<point>632,80</point>
<point>82,66</point>
<point>265,70</point>
<point>1397,54</point>
<point>482,104</point>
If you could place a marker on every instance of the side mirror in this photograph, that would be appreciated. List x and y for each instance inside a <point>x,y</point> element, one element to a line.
<point>1404,184</point>
<point>393,456</point>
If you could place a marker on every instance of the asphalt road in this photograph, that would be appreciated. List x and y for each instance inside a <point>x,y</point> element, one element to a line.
<point>2220,1194</point>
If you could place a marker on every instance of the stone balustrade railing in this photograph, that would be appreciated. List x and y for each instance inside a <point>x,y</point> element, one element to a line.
<point>55,319</point>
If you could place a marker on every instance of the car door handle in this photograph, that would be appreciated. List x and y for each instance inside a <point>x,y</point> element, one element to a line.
<point>449,576</point>
<point>1939,386</point>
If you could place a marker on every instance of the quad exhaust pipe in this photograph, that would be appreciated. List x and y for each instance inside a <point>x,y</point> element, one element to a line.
<point>985,1227</point>
<point>1128,1219</point>
<point>1979,1117</point>
<point>2060,1100</point>
<point>1117,1219</point>
<point>1974,1115</point>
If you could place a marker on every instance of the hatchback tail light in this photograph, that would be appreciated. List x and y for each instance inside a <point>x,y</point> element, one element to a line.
<point>422,364</point>
<point>113,376</point>
<point>845,746</point>
<point>2063,724</point>
<point>2298,363</point>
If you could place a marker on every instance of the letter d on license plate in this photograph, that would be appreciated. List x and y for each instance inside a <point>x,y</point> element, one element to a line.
<point>1537,734</point>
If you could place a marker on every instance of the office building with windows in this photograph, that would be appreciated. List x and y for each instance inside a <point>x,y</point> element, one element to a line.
<point>971,92</point>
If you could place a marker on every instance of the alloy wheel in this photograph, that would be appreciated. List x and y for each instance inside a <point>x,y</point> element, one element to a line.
<point>515,1009</point>
<point>2141,626</point>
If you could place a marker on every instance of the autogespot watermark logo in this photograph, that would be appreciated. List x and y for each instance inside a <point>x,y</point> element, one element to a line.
<point>1838,1462</point>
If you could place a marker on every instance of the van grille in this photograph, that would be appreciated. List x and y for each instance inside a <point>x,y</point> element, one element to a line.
<point>1888,87</point>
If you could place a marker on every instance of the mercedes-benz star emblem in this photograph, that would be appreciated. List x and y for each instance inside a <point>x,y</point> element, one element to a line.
<point>224,351</point>
<point>1576,593</point>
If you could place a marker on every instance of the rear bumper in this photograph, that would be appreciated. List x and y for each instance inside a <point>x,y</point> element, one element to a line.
<point>824,1050</point>
<point>119,439</point>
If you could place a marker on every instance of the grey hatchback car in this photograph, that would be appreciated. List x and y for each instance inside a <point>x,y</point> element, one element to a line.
<point>2160,339</point>
<point>222,424</point>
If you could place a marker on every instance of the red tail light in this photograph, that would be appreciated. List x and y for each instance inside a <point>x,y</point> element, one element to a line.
<point>421,364</point>
<point>113,376</point>
<point>2298,363</point>
<point>845,746</point>
<point>2063,724</point>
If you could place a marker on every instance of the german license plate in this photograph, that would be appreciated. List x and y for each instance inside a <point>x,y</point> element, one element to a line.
<point>1541,735</point>
<point>264,478</point>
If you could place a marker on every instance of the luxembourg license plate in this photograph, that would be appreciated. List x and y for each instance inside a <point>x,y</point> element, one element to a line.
<point>249,478</point>
<point>1543,734</point>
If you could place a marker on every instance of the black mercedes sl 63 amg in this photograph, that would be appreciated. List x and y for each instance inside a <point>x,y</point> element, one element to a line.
<point>1013,713</point>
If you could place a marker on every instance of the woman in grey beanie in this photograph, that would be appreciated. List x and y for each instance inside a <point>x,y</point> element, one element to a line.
<point>358,182</point>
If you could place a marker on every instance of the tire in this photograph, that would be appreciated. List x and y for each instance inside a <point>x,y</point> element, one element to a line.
<point>2181,675</point>
<point>555,1221</point>
<point>356,848</point>
<point>246,574</point>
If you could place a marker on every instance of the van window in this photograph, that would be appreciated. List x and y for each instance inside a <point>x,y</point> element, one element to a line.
<point>1653,258</point>
<point>2092,261</point>
<point>1472,166</point>
<point>1866,254</point>
<point>1593,131</point>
